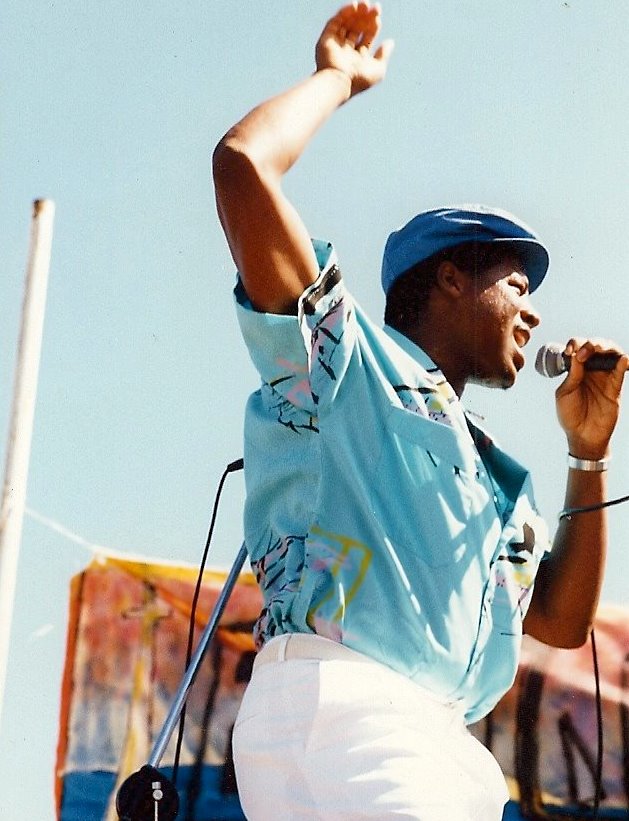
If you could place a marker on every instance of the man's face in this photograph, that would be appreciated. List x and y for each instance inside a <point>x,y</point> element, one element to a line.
<point>501,319</point>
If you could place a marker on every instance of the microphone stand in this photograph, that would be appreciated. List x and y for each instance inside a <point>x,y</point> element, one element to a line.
<point>147,795</point>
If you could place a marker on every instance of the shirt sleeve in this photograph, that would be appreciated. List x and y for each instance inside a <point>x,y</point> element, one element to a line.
<point>275,342</point>
<point>327,319</point>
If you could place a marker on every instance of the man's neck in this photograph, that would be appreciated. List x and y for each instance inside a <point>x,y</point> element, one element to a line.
<point>442,352</point>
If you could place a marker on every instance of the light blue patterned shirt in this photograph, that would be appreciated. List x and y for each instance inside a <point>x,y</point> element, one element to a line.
<point>377,514</point>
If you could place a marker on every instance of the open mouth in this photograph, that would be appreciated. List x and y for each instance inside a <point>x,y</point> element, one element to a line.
<point>521,337</point>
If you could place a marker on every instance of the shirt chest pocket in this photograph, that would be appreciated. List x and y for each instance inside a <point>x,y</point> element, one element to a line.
<point>426,494</point>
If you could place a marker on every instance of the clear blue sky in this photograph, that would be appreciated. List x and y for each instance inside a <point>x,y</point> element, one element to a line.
<point>112,110</point>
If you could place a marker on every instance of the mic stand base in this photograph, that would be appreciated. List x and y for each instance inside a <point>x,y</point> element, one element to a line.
<point>147,795</point>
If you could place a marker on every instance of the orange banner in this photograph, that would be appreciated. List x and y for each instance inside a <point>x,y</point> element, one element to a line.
<point>125,659</point>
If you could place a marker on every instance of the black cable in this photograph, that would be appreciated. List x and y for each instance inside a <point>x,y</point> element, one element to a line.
<point>598,782</point>
<point>231,468</point>
<point>567,514</point>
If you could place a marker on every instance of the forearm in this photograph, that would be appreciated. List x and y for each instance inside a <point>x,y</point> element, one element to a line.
<point>274,135</point>
<point>268,240</point>
<point>569,582</point>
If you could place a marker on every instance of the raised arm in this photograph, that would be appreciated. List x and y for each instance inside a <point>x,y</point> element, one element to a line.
<point>267,238</point>
<point>569,583</point>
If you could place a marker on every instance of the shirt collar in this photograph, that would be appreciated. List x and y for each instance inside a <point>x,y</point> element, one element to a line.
<point>481,437</point>
<point>445,403</point>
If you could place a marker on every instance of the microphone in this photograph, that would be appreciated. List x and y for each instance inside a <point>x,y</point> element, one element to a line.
<point>552,361</point>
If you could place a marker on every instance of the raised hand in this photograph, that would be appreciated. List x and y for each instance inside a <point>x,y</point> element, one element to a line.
<point>345,44</point>
<point>588,402</point>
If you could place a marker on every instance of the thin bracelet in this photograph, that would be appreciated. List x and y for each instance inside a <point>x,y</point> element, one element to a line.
<point>591,465</point>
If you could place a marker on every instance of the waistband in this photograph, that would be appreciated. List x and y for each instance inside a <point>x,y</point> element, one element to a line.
<point>307,646</point>
<point>317,648</point>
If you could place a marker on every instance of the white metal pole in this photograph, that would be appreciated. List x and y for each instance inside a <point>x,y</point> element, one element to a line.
<point>21,422</point>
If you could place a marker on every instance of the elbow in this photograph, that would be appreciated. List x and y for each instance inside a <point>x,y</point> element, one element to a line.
<point>558,627</point>
<point>238,151</point>
<point>576,637</point>
<point>237,172</point>
<point>568,638</point>
<point>228,155</point>
<point>230,171</point>
<point>572,641</point>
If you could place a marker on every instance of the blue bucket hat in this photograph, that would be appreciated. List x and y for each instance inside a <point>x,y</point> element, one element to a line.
<point>433,231</point>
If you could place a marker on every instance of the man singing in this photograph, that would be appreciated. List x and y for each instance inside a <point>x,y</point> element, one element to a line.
<point>398,548</point>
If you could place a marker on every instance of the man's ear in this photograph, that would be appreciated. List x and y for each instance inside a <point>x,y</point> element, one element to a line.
<point>452,281</point>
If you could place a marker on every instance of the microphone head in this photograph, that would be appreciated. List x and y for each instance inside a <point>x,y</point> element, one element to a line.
<point>550,360</point>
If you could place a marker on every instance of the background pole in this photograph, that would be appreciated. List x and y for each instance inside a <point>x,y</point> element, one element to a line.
<point>21,421</point>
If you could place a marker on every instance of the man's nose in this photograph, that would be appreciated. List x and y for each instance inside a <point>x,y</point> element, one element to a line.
<point>530,315</point>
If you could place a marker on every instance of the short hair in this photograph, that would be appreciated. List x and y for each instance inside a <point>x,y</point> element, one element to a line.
<point>409,294</point>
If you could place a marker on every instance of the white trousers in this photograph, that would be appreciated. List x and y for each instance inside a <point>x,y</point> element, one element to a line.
<point>327,733</point>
